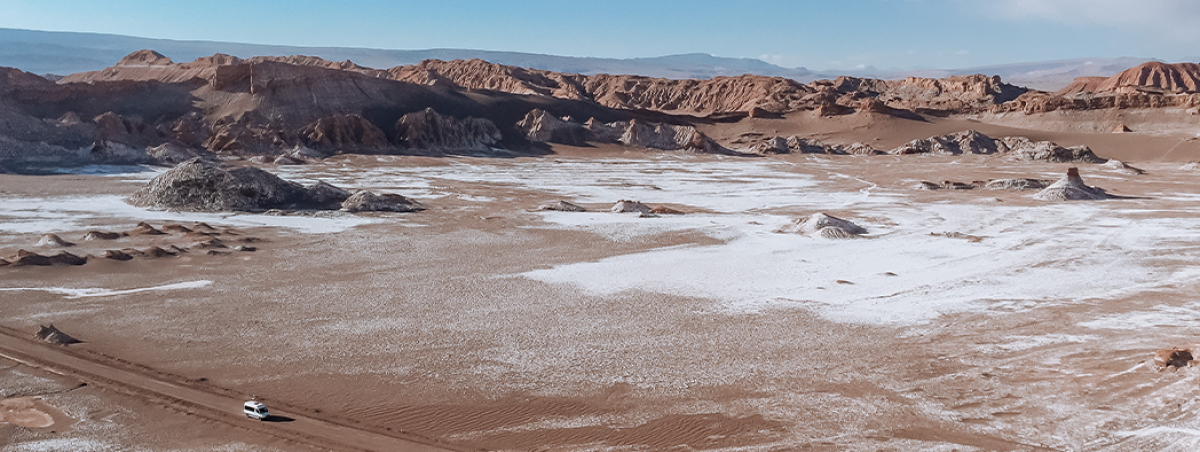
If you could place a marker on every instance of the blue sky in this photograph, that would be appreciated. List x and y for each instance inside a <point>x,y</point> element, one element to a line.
<point>848,34</point>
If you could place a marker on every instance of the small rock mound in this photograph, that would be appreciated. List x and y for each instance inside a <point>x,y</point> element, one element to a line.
<point>626,205</point>
<point>53,241</point>
<point>1017,184</point>
<point>1173,357</point>
<point>1071,188</point>
<point>156,252</point>
<point>54,336</point>
<point>1121,128</point>
<point>144,228</point>
<point>1122,167</point>
<point>101,235</point>
<point>1022,149</point>
<point>967,142</point>
<point>200,185</point>
<point>27,258</point>
<point>562,206</point>
<point>116,255</point>
<point>944,185</point>
<point>822,225</point>
<point>365,201</point>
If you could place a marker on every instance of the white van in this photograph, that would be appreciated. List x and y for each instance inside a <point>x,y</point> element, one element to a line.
<point>255,410</point>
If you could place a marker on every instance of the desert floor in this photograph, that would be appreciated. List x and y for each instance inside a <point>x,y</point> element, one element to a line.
<point>484,324</point>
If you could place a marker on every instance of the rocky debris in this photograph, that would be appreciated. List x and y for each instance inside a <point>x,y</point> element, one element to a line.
<point>24,258</point>
<point>822,225</point>
<point>53,241</point>
<point>203,227</point>
<point>116,255</point>
<point>562,206</point>
<point>946,185</point>
<point>958,235</point>
<point>245,248</point>
<point>430,130</point>
<point>664,210</point>
<point>624,206</point>
<point>101,235</point>
<point>55,336</point>
<point>343,132</point>
<point>365,201</point>
<point>1173,357</point>
<point>144,228</point>
<point>1071,188</point>
<point>1122,167</point>
<point>1017,184</point>
<point>171,153</point>
<point>539,126</point>
<point>205,186</point>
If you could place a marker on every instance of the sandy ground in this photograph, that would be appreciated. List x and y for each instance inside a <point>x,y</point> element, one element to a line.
<point>487,325</point>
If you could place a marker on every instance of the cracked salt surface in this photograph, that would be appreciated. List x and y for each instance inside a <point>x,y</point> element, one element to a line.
<point>67,213</point>
<point>1031,255</point>
<point>102,292</point>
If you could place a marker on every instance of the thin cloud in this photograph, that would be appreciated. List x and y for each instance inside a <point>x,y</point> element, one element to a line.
<point>1174,19</point>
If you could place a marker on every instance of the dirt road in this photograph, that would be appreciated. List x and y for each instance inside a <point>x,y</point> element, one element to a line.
<point>223,408</point>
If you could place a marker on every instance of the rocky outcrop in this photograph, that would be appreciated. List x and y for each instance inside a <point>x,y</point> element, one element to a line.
<point>28,258</point>
<point>540,126</point>
<point>343,132</point>
<point>1023,149</point>
<point>430,130</point>
<point>967,142</point>
<point>627,206</point>
<point>200,185</point>
<point>823,225</point>
<point>1017,184</point>
<point>1016,148</point>
<point>668,137</point>
<point>1122,167</point>
<point>54,336</point>
<point>365,201</point>
<point>797,145</point>
<point>1071,188</point>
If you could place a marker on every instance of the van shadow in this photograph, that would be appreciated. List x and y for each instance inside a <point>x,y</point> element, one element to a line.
<point>277,418</point>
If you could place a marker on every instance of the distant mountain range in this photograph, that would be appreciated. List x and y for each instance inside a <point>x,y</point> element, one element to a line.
<point>62,53</point>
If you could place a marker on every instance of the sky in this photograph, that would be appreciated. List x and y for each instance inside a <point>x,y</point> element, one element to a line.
<point>819,35</point>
